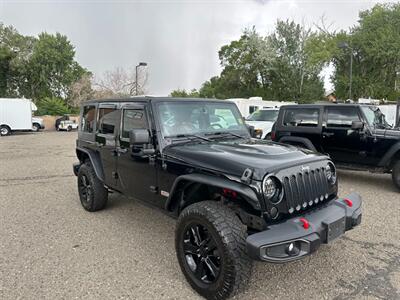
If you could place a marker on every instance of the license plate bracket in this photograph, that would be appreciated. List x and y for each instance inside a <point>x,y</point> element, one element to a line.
<point>334,228</point>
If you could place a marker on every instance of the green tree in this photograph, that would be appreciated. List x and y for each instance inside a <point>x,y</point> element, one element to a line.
<point>295,77</point>
<point>276,67</point>
<point>52,106</point>
<point>374,44</point>
<point>37,67</point>
<point>15,51</point>
<point>52,69</point>
<point>182,93</point>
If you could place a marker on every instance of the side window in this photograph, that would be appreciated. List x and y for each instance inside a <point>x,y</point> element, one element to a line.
<point>306,117</point>
<point>107,120</point>
<point>341,116</point>
<point>133,119</point>
<point>88,118</point>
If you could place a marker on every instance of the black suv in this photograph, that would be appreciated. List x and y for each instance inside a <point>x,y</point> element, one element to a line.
<point>235,198</point>
<point>355,136</point>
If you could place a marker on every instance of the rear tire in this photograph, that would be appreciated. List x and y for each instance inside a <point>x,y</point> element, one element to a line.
<point>210,245</point>
<point>35,127</point>
<point>92,193</point>
<point>396,174</point>
<point>5,130</point>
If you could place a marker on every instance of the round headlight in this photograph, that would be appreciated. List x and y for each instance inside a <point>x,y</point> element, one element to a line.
<point>330,173</point>
<point>269,187</point>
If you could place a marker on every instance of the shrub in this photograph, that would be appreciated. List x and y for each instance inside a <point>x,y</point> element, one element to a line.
<point>52,106</point>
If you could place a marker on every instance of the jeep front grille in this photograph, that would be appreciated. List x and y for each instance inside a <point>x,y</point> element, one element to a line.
<point>302,190</point>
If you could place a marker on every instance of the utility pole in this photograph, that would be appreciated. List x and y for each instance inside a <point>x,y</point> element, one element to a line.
<point>141,64</point>
<point>345,45</point>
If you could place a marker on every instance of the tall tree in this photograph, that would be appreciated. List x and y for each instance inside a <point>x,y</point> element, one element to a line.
<point>373,46</point>
<point>295,75</point>
<point>275,67</point>
<point>51,68</point>
<point>120,83</point>
<point>37,67</point>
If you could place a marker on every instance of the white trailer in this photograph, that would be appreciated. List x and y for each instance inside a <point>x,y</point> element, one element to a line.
<point>15,114</point>
<point>248,106</point>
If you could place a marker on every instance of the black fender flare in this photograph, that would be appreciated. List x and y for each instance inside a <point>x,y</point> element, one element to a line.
<point>386,159</point>
<point>306,142</point>
<point>242,189</point>
<point>94,159</point>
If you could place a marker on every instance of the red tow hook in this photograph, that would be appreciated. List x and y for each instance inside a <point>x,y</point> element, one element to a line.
<point>348,202</point>
<point>305,223</point>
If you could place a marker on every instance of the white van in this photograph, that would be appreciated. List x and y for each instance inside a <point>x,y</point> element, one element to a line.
<point>16,115</point>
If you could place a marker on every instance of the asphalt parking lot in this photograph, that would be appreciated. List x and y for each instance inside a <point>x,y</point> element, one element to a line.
<point>50,248</point>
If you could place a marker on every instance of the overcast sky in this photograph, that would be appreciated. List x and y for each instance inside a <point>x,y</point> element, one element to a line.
<point>178,39</point>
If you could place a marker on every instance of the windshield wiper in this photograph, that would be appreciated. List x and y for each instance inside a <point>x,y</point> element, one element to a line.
<point>189,136</point>
<point>222,133</point>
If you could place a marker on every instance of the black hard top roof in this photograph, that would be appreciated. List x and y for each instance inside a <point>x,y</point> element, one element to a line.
<point>318,105</point>
<point>151,99</point>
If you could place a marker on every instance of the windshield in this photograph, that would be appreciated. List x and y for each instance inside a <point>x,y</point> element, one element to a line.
<point>263,115</point>
<point>375,117</point>
<point>196,118</point>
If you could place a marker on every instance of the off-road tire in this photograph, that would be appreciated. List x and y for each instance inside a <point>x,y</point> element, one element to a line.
<point>5,130</point>
<point>396,174</point>
<point>230,237</point>
<point>97,196</point>
<point>35,127</point>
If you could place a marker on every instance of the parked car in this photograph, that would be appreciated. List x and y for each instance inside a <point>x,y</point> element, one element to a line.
<point>16,115</point>
<point>67,125</point>
<point>236,198</point>
<point>262,121</point>
<point>37,124</point>
<point>355,136</point>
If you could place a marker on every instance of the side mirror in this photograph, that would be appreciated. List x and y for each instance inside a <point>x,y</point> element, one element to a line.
<point>251,130</point>
<point>357,125</point>
<point>139,137</point>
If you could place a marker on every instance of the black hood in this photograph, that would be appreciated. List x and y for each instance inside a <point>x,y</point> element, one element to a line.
<point>234,157</point>
<point>388,133</point>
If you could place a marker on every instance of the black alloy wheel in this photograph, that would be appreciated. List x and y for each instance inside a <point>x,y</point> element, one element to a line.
<point>210,243</point>
<point>85,189</point>
<point>92,193</point>
<point>201,253</point>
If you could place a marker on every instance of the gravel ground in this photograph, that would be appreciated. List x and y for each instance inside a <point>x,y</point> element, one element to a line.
<point>50,248</point>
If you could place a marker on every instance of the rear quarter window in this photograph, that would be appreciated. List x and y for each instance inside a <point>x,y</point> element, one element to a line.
<point>301,117</point>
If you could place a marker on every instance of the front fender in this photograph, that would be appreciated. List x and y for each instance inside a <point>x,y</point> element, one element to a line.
<point>242,189</point>
<point>298,140</point>
<point>94,158</point>
<point>386,159</point>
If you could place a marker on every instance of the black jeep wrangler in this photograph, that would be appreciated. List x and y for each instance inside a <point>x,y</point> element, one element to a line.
<point>355,136</point>
<point>235,198</point>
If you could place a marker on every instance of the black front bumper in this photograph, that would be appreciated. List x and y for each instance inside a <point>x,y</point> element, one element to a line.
<point>302,235</point>
<point>75,168</point>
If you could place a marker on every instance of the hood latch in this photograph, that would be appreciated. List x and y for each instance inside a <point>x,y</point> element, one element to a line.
<point>246,176</point>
